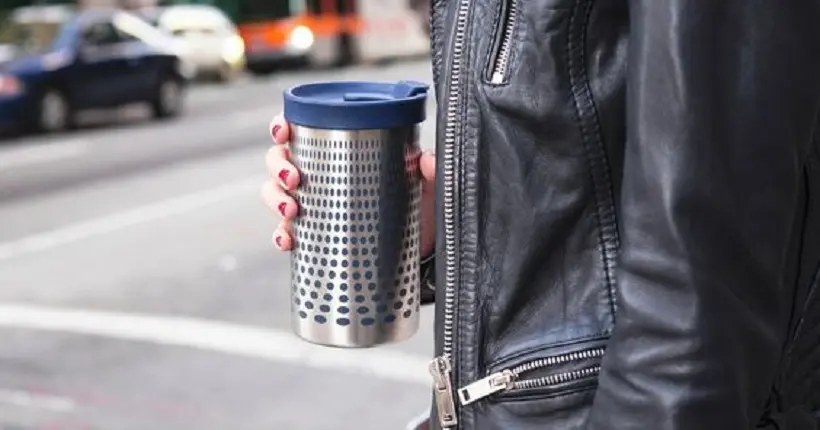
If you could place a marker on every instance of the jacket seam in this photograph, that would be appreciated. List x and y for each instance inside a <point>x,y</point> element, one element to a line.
<point>435,40</point>
<point>464,363</point>
<point>589,126</point>
<point>798,330</point>
<point>795,317</point>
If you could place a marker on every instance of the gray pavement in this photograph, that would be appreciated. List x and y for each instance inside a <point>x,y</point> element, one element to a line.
<point>139,289</point>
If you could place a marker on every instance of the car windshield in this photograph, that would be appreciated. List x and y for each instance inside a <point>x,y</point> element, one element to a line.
<point>32,31</point>
<point>138,28</point>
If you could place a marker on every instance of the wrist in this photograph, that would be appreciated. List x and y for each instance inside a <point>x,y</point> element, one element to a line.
<point>427,271</point>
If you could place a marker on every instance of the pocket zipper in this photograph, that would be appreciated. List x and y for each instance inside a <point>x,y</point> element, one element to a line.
<point>510,379</point>
<point>503,44</point>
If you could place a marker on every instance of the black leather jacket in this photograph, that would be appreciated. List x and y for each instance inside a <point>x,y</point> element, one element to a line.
<point>629,224</point>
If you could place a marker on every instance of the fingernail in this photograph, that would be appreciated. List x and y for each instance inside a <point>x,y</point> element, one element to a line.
<point>275,130</point>
<point>283,176</point>
<point>282,207</point>
<point>279,241</point>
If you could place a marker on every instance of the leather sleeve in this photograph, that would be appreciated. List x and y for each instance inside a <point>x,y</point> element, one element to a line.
<point>722,98</point>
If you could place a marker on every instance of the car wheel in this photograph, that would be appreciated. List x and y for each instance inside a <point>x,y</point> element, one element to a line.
<point>168,100</point>
<point>54,113</point>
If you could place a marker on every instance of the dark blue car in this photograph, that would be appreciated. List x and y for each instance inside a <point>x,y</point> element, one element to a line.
<point>55,62</point>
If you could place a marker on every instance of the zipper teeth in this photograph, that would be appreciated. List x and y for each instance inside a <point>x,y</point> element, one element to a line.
<point>560,378</point>
<point>558,359</point>
<point>506,42</point>
<point>450,160</point>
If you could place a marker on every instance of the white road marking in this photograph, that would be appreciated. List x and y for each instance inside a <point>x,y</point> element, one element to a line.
<point>118,221</point>
<point>41,153</point>
<point>41,402</point>
<point>253,342</point>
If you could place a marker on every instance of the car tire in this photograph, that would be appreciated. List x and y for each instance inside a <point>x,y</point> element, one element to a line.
<point>54,113</point>
<point>168,100</point>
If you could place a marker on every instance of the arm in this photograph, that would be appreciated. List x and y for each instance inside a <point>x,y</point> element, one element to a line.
<point>721,106</point>
<point>428,279</point>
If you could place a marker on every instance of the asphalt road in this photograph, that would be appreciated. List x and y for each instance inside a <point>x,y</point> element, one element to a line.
<point>139,289</point>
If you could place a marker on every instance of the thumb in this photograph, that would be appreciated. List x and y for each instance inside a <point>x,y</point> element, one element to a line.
<point>427,164</point>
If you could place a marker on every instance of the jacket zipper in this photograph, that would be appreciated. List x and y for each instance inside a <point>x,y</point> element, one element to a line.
<point>511,379</point>
<point>502,46</point>
<point>441,367</point>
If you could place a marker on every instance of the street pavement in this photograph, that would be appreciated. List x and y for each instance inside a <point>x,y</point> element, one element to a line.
<point>139,289</point>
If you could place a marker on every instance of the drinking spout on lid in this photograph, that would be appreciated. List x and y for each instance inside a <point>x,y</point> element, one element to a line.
<point>401,90</point>
<point>408,89</point>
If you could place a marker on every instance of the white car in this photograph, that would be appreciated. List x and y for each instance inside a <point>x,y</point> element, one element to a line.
<point>206,38</point>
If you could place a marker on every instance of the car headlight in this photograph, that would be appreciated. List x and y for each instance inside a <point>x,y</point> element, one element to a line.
<point>300,38</point>
<point>10,85</point>
<point>233,49</point>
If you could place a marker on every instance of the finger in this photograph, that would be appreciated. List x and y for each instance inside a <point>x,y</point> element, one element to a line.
<point>278,200</point>
<point>282,238</point>
<point>280,130</point>
<point>279,166</point>
<point>427,163</point>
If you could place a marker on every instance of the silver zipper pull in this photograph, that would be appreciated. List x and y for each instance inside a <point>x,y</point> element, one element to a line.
<point>486,387</point>
<point>443,389</point>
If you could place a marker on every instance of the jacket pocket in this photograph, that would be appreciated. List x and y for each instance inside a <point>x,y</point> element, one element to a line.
<point>498,62</point>
<point>534,378</point>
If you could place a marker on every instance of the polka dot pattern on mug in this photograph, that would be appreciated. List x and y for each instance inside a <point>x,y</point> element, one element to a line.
<point>356,254</point>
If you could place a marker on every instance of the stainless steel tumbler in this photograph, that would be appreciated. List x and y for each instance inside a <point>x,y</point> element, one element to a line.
<point>355,277</point>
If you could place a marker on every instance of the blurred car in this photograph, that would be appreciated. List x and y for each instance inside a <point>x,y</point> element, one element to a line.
<point>56,62</point>
<point>207,38</point>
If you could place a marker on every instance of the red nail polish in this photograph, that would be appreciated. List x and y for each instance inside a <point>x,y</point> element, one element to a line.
<point>275,130</point>
<point>283,176</point>
<point>282,207</point>
<point>279,241</point>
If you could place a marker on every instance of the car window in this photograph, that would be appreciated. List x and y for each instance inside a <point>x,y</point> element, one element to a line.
<point>101,34</point>
<point>196,31</point>
<point>136,28</point>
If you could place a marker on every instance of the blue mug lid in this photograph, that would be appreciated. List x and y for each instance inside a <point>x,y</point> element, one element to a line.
<point>354,105</point>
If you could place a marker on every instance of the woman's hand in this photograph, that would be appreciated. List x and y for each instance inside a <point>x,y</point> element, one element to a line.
<point>284,179</point>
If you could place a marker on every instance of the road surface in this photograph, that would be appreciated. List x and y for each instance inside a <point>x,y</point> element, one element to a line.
<point>139,289</point>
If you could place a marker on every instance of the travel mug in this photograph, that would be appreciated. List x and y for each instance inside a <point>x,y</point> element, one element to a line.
<point>355,277</point>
